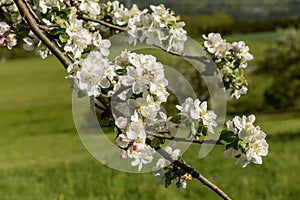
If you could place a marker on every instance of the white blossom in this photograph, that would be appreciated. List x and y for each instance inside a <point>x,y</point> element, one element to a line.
<point>121,14</point>
<point>44,5</point>
<point>241,51</point>
<point>196,111</point>
<point>181,181</point>
<point>92,73</point>
<point>212,42</point>
<point>102,44</point>
<point>230,59</point>
<point>158,170</point>
<point>90,7</point>
<point>252,136</point>
<point>141,154</point>
<point>32,42</point>
<point>80,37</point>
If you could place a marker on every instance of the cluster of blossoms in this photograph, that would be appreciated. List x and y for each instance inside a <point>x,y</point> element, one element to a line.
<point>231,59</point>
<point>33,43</point>
<point>196,112</point>
<point>7,39</point>
<point>131,73</point>
<point>160,27</point>
<point>164,169</point>
<point>250,144</point>
<point>144,79</point>
<point>92,74</point>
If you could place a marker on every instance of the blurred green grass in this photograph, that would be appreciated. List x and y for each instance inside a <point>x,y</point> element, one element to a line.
<point>42,157</point>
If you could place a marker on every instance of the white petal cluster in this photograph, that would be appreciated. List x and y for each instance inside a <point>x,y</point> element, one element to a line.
<point>252,136</point>
<point>79,37</point>
<point>120,13</point>
<point>195,110</point>
<point>141,154</point>
<point>231,59</point>
<point>133,139</point>
<point>33,43</point>
<point>143,76</point>
<point>158,170</point>
<point>90,7</point>
<point>160,27</point>
<point>43,6</point>
<point>91,74</point>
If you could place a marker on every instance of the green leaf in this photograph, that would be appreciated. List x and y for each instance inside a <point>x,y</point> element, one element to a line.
<point>155,142</point>
<point>168,179</point>
<point>162,140</point>
<point>120,72</point>
<point>58,31</point>
<point>180,172</point>
<point>227,137</point>
<point>61,22</point>
<point>242,144</point>
<point>200,128</point>
<point>63,38</point>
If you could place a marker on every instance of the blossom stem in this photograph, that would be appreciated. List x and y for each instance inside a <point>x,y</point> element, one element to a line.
<point>193,172</point>
<point>39,33</point>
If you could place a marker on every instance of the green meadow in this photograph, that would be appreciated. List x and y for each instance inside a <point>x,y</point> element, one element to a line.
<point>42,157</point>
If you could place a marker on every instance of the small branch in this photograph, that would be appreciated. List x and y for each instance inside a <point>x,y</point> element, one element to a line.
<point>202,179</point>
<point>38,32</point>
<point>33,14</point>
<point>194,173</point>
<point>81,16</point>
<point>6,4</point>
<point>198,58</point>
<point>170,137</point>
<point>43,27</point>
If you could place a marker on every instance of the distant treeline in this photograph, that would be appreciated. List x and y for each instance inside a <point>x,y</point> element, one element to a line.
<point>237,9</point>
<point>223,23</point>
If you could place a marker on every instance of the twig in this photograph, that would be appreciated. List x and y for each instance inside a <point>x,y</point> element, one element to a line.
<point>32,12</point>
<point>198,58</point>
<point>84,17</point>
<point>38,32</point>
<point>194,173</point>
<point>171,137</point>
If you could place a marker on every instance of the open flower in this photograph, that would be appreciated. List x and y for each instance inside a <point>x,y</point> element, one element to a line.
<point>252,144</point>
<point>197,111</point>
<point>141,154</point>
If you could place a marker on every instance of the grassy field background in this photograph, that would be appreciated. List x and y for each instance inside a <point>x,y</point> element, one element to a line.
<point>42,157</point>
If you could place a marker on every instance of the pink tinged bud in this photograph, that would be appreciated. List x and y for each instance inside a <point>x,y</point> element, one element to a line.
<point>135,147</point>
<point>133,140</point>
<point>3,41</point>
<point>124,154</point>
<point>237,46</point>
